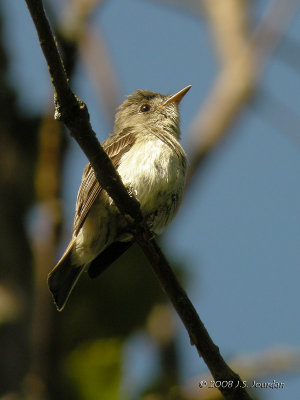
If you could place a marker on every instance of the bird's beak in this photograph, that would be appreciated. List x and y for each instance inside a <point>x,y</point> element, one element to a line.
<point>177,97</point>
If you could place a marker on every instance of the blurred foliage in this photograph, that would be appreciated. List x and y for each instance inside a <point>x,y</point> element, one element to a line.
<point>94,370</point>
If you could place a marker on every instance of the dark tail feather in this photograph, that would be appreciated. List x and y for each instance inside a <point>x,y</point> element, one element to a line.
<point>107,257</point>
<point>63,278</point>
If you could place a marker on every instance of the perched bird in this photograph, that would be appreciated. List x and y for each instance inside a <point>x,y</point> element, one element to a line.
<point>145,151</point>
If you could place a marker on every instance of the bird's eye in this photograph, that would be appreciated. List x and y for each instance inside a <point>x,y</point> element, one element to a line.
<point>145,108</point>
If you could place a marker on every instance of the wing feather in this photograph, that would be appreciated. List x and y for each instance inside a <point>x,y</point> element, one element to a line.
<point>115,146</point>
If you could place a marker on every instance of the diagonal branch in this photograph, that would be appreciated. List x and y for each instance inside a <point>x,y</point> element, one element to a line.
<point>74,114</point>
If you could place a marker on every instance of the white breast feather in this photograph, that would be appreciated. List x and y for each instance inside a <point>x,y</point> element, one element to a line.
<point>151,168</point>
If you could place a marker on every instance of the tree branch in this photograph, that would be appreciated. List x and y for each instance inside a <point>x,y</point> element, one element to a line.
<point>74,114</point>
<point>243,56</point>
<point>76,26</point>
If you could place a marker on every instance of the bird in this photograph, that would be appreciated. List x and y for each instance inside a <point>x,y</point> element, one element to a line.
<point>145,150</point>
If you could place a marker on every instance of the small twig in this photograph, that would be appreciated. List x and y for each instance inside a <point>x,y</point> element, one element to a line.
<point>74,114</point>
<point>271,29</point>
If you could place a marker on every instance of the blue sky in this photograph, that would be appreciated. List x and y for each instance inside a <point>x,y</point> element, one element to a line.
<point>238,231</point>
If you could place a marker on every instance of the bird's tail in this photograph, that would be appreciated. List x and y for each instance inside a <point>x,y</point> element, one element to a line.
<point>63,278</point>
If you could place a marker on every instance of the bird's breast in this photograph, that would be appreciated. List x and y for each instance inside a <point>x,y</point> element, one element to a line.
<point>154,170</point>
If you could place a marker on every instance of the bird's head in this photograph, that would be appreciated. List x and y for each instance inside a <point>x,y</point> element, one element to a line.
<point>150,109</point>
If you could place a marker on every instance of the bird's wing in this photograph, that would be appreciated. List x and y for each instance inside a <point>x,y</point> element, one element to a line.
<point>115,147</point>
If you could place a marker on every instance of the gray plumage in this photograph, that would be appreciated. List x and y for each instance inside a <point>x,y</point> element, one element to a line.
<point>144,149</point>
